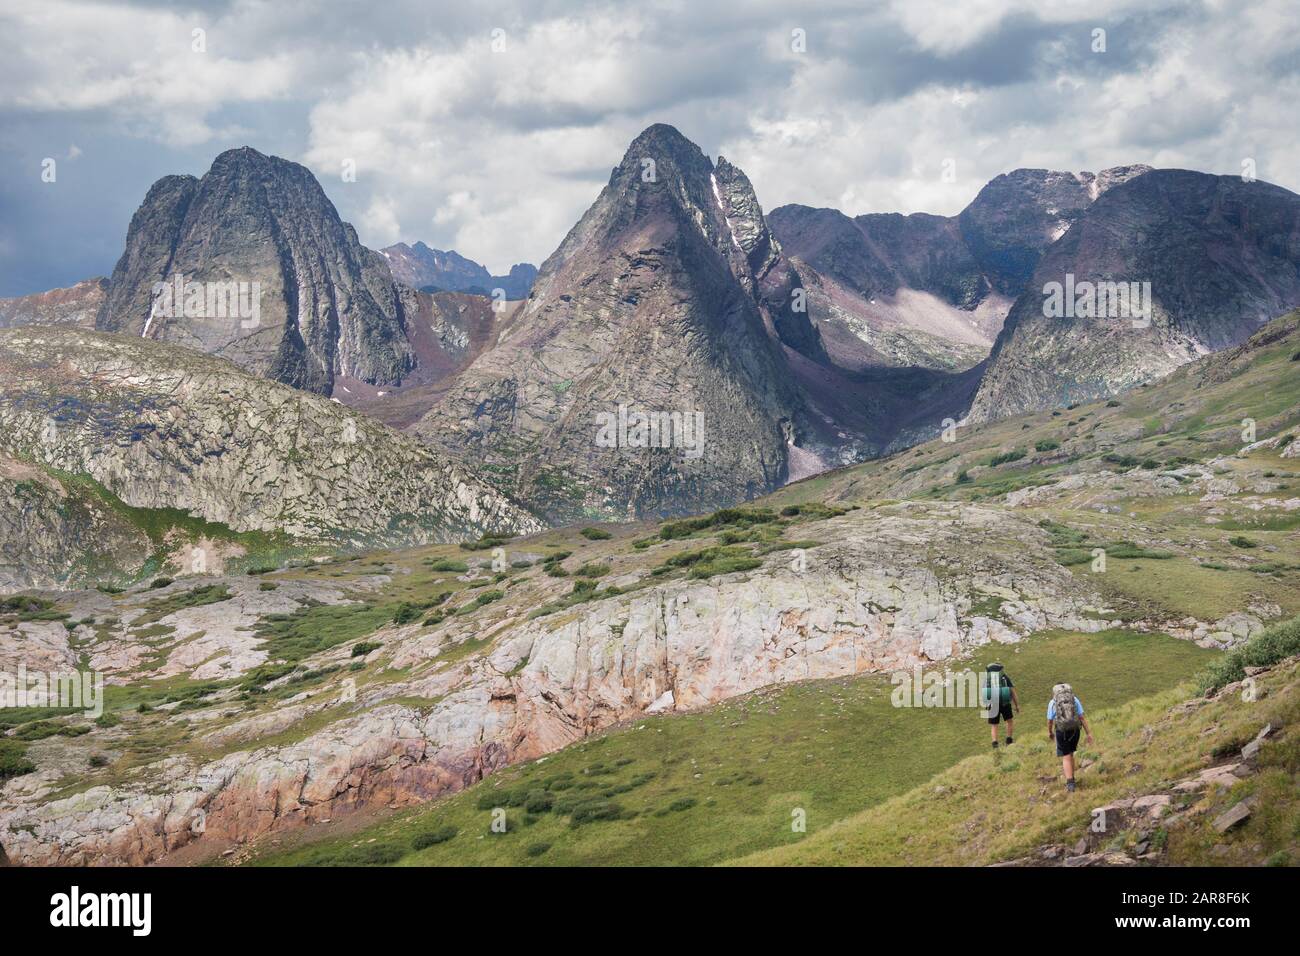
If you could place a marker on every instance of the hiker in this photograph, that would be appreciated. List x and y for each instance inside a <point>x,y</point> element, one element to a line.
<point>998,682</point>
<point>1064,717</point>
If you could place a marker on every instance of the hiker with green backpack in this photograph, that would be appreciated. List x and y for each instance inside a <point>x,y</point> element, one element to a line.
<point>1064,718</point>
<point>998,697</point>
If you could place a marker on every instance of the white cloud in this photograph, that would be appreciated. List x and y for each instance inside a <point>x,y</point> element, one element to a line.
<point>143,64</point>
<point>1200,99</point>
<point>497,154</point>
<point>459,143</point>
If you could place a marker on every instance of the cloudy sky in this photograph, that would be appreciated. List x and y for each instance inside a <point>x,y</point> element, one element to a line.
<point>489,127</point>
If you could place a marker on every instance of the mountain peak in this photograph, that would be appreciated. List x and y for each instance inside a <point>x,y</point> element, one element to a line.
<point>668,296</point>
<point>1211,260</point>
<point>420,266</point>
<point>661,152</point>
<point>1019,214</point>
<point>316,303</point>
<point>248,157</point>
<point>662,136</point>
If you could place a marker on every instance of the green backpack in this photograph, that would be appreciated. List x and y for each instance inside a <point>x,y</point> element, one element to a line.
<point>995,676</point>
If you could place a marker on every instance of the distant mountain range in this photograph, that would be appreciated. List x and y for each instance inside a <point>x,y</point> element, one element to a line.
<point>681,351</point>
<point>433,270</point>
<point>931,290</point>
<point>76,305</point>
<point>1219,258</point>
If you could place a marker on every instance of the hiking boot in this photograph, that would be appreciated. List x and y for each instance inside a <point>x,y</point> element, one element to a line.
<point>995,745</point>
<point>1010,740</point>
<point>1069,786</point>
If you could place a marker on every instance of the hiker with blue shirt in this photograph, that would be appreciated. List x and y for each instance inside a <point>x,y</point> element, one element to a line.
<point>1064,718</point>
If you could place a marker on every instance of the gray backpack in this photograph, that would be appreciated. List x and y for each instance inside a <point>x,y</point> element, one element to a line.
<point>1066,717</point>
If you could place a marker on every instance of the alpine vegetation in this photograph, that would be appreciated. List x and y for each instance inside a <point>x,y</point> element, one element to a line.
<point>892,459</point>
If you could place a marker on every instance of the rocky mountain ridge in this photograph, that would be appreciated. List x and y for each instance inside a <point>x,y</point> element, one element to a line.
<point>159,427</point>
<point>1211,259</point>
<point>889,289</point>
<point>673,299</point>
<point>76,305</point>
<point>434,270</point>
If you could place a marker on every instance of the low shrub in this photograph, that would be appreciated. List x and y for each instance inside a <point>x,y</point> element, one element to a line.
<point>433,837</point>
<point>484,543</point>
<point>1007,456</point>
<point>591,811</point>
<point>368,854</point>
<point>406,613</point>
<point>13,760</point>
<point>1265,649</point>
<point>447,564</point>
<point>539,801</point>
<point>738,517</point>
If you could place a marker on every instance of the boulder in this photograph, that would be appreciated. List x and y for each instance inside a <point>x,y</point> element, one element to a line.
<point>1233,816</point>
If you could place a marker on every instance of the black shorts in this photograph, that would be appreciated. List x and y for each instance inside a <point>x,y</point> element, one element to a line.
<point>1003,714</point>
<point>1067,742</point>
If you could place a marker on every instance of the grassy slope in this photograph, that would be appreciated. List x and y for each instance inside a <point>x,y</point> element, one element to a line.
<point>987,809</point>
<point>828,747</point>
<point>1196,413</point>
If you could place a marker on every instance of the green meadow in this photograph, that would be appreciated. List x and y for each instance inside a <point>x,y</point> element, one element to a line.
<point>707,787</point>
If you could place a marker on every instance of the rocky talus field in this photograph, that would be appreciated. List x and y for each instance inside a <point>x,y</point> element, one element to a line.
<point>657,691</point>
<point>120,457</point>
